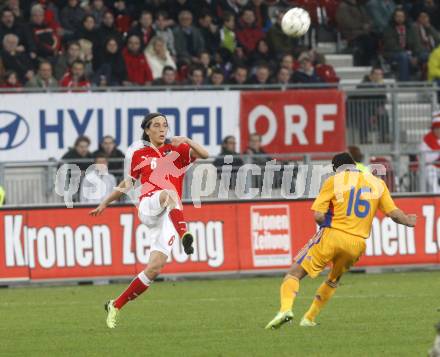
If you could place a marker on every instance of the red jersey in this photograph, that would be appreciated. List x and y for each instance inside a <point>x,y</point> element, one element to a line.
<point>161,169</point>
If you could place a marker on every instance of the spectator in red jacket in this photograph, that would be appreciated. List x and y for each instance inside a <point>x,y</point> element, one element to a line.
<point>46,40</point>
<point>76,77</point>
<point>138,69</point>
<point>248,33</point>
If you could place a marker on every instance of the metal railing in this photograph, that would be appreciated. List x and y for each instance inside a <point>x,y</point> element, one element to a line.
<point>279,176</point>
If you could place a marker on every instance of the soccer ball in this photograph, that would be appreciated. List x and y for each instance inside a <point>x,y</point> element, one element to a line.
<point>295,22</point>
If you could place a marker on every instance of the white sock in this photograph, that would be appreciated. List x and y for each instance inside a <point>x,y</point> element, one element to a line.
<point>144,279</point>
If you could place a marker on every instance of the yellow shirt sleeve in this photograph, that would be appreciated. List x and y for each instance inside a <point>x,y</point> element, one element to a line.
<point>386,203</point>
<point>322,202</point>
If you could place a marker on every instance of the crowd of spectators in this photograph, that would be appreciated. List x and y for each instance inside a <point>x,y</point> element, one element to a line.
<point>85,43</point>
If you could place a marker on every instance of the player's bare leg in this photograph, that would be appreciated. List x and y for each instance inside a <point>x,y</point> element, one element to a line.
<point>288,291</point>
<point>138,286</point>
<point>171,200</point>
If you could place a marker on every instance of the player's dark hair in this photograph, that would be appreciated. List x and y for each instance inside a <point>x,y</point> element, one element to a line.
<point>344,158</point>
<point>147,122</point>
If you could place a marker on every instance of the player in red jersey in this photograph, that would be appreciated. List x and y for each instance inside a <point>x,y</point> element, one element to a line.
<point>160,166</point>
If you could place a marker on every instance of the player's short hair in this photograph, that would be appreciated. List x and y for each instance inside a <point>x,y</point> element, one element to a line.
<point>344,158</point>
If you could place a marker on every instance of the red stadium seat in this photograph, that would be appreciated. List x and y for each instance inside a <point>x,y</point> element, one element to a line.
<point>327,73</point>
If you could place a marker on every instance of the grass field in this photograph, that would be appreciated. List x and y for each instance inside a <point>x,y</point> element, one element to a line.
<point>370,315</point>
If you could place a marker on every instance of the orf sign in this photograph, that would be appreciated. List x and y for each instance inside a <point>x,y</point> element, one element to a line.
<point>295,120</point>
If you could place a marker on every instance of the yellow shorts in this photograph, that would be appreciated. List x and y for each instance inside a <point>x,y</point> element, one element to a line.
<point>330,245</point>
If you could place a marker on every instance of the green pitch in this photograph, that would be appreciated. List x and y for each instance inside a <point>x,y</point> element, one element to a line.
<point>370,315</point>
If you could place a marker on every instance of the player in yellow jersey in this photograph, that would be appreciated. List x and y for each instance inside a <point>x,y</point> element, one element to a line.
<point>344,209</point>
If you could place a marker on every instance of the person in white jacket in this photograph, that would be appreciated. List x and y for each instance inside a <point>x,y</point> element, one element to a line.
<point>97,183</point>
<point>430,148</point>
<point>158,56</point>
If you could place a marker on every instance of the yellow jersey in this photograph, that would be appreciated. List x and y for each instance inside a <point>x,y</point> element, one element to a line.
<point>350,199</point>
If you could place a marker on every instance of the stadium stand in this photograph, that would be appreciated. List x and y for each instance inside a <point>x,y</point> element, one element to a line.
<point>347,32</point>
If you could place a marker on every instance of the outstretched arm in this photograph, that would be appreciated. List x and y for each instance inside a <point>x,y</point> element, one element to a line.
<point>117,193</point>
<point>401,217</point>
<point>197,150</point>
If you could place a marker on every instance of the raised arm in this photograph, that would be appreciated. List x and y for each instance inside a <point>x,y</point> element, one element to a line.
<point>197,150</point>
<point>117,193</point>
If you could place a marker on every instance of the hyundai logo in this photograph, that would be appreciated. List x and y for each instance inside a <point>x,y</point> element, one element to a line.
<point>14,130</point>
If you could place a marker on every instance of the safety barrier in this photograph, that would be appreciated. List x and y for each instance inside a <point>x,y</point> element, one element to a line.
<point>57,243</point>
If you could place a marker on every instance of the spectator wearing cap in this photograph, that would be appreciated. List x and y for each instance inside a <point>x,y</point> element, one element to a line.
<point>15,60</point>
<point>9,25</point>
<point>431,148</point>
<point>356,27</point>
<point>158,56</point>
<point>138,69</point>
<point>44,77</point>
<point>76,77</point>
<point>187,38</point>
<point>70,17</point>
<point>239,76</point>
<point>144,29</point>
<point>306,72</point>
<point>278,41</point>
<point>401,45</point>
<point>168,77</point>
<point>248,33</point>
<point>228,39</point>
<point>164,31</point>
<point>262,75</point>
<point>46,40</point>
